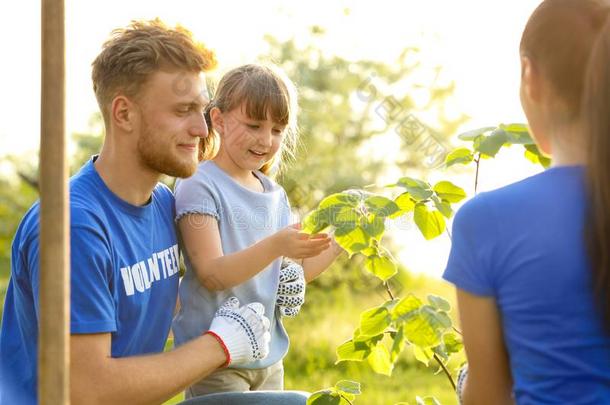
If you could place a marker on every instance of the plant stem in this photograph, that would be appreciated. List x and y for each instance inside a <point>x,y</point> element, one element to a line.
<point>387,287</point>
<point>457,330</point>
<point>348,401</point>
<point>445,370</point>
<point>449,234</point>
<point>476,177</point>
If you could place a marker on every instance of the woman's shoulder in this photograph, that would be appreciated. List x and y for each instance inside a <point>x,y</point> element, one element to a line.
<point>527,197</point>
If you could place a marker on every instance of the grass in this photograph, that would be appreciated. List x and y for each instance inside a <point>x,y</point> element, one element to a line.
<point>328,319</point>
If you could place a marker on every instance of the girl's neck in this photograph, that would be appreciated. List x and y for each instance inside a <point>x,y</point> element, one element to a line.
<point>568,146</point>
<point>244,177</point>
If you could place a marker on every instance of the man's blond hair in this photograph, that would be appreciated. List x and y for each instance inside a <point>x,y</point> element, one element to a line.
<point>132,54</point>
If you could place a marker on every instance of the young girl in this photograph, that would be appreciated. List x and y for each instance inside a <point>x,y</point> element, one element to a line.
<point>531,260</point>
<point>234,222</point>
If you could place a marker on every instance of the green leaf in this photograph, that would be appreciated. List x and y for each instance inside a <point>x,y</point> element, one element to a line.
<point>430,223</point>
<point>398,345</point>
<point>422,330</point>
<point>374,321</point>
<point>443,207</point>
<point>419,190</point>
<point>448,191</point>
<point>353,241</point>
<point>439,303</point>
<point>340,216</point>
<point>423,355</point>
<point>518,127</point>
<point>341,199</point>
<point>452,343</point>
<point>427,401</point>
<point>405,203</point>
<point>353,351</point>
<point>316,221</point>
<point>472,135</point>
<point>438,319</point>
<point>533,154</point>
<point>381,206</point>
<point>381,266</point>
<point>349,387</point>
<point>370,251</point>
<point>346,227</point>
<point>373,226</point>
<point>325,397</point>
<point>357,193</point>
<point>440,351</point>
<point>459,156</point>
<point>406,307</point>
<point>491,144</point>
<point>379,360</point>
<point>517,134</point>
<point>370,341</point>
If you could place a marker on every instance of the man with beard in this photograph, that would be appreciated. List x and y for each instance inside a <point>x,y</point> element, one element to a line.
<point>124,253</point>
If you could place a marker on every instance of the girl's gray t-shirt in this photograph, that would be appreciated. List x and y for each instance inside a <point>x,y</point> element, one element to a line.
<point>244,218</point>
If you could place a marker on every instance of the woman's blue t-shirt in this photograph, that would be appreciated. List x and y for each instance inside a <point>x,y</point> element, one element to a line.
<point>524,246</point>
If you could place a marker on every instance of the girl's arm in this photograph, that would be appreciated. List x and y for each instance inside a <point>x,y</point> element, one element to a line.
<point>314,266</point>
<point>489,380</point>
<point>201,238</point>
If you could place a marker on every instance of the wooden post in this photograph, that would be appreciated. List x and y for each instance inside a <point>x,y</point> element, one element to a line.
<point>53,343</point>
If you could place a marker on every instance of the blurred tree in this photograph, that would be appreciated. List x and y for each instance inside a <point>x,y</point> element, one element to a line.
<point>19,185</point>
<point>348,109</point>
<point>87,143</point>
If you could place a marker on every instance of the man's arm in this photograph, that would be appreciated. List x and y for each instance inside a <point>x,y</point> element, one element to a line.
<point>237,335</point>
<point>489,380</point>
<point>97,378</point>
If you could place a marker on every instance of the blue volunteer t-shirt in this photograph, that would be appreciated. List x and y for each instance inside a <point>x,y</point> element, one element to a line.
<point>124,279</point>
<point>524,246</point>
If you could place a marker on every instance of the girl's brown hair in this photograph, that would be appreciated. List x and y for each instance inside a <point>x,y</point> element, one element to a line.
<point>262,91</point>
<point>568,41</point>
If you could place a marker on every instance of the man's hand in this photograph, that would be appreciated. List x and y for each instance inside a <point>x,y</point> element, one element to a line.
<point>291,290</point>
<point>243,332</point>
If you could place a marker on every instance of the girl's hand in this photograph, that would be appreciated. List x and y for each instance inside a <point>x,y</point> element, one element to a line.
<point>291,242</point>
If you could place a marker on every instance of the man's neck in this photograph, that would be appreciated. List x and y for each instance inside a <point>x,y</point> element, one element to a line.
<point>125,176</point>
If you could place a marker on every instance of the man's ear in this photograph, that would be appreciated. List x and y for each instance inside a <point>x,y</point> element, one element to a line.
<point>122,113</point>
<point>217,119</point>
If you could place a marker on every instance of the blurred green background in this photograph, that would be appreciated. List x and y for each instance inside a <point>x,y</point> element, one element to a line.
<point>344,125</point>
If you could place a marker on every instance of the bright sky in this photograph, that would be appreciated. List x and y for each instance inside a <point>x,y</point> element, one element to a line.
<point>476,42</point>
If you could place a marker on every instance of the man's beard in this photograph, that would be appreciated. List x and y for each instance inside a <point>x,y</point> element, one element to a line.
<point>159,157</point>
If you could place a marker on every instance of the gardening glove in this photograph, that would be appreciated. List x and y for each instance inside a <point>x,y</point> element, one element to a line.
<point>243,332</point>
<point>291,290</point>
<point>462,375</point>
